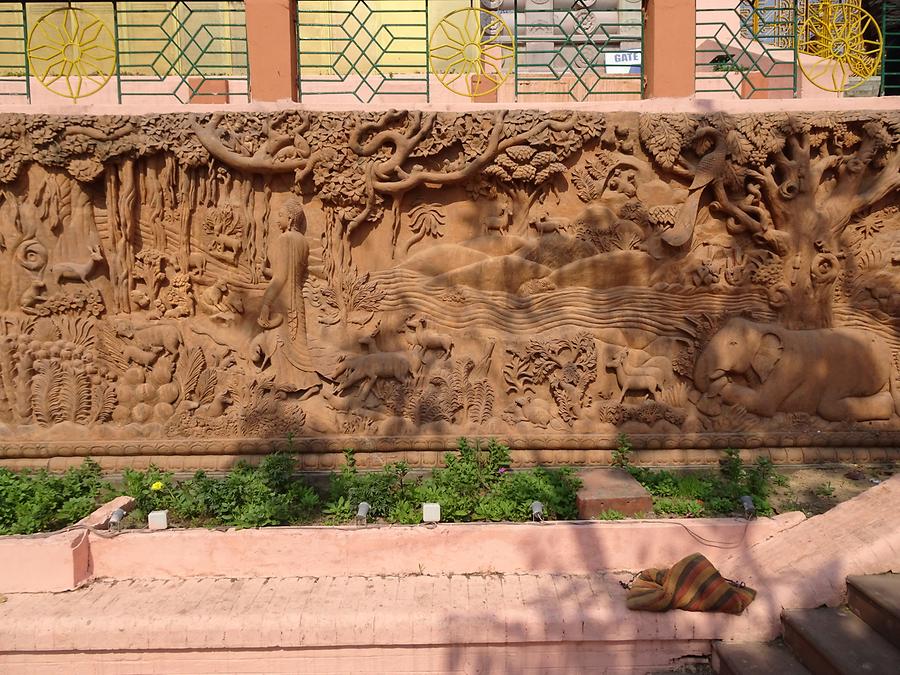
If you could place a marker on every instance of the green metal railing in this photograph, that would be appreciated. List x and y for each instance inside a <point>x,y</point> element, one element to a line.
<point>890,55</point>
<point>186,50</point>
<point>189,47</point>
<point>365,50</point>
<point>578,53</point>
<point>745,47</point>
<point>361,50</point>
<point>14,80</point>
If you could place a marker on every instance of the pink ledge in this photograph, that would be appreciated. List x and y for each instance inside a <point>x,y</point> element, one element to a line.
<point>62,561</point>
<point>581,547</point>
<point>44,563</point>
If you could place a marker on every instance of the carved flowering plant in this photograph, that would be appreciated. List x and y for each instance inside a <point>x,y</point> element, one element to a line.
<point>9,170</point>
<point>518,122</point>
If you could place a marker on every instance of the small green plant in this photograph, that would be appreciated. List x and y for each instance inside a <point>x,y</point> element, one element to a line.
<point>621,454</point>
<point>684,507</point>
<point>825,490</point>
<point>610,514</point>
<point>338,511</point>
<point>36,501</point>
<point>731,465</point>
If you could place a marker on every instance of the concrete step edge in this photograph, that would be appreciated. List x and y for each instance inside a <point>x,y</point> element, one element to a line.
<point>834,641</point>
<point>870,605</point>
<point>755,658</point>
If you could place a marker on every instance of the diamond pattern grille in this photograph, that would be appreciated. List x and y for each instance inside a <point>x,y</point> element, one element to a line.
<point>363,50</point>
<point>185,50</point>
<point>571,54</point>
<point>746,47</point>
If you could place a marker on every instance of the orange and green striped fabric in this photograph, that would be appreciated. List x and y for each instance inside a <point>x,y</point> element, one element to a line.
<point>693,584</point>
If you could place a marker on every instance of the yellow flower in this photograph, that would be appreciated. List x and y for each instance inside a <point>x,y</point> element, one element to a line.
<point>158,485</point>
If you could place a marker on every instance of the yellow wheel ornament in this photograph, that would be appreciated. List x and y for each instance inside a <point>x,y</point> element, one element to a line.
<point>472,52</point>
<point>844,41</point>
<point>72,52</point>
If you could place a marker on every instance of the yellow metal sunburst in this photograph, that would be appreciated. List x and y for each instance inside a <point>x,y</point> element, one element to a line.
<point>472,51</point>
<point>845,42</point>
<point>72,52</point>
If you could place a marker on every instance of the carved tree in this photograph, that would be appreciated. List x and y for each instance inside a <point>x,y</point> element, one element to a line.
<point>504,137</point>
<point>791,182</point>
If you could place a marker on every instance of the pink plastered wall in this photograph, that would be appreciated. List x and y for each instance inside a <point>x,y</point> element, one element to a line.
<point>63,561</point>
<point>469,548</point>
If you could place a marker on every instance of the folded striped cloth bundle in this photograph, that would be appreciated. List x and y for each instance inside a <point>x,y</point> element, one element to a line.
<point>693,584</point>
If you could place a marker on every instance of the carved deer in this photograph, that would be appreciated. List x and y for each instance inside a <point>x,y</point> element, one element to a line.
<point>81,271</point>
<point>429,339</point>
<point>497,218</point>
<point>634,378</point>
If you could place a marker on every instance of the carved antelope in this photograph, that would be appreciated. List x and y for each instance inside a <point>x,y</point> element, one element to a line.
<point>429,339</point>
<point>80,271</point>
<point>634,379</point>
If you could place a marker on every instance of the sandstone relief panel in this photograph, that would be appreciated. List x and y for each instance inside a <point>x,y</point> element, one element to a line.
<point>206,285</point>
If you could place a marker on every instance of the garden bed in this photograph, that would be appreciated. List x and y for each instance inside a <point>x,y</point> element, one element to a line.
<point>476,484</point>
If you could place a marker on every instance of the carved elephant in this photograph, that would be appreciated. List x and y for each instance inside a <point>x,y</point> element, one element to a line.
<point>840,374</point>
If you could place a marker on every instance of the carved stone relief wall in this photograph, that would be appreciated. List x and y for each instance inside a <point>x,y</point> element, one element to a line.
<point>208,285</point>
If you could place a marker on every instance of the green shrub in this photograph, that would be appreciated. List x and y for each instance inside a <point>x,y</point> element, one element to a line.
<point>248,496</point>
<point>684,507</point>
<point>475,484</point>
<point>695,493</point>
<point>610,514</point>
<point>382,490</point>
<point>36,501</point>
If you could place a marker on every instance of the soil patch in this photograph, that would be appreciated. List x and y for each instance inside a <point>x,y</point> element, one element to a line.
<point>814,490</point>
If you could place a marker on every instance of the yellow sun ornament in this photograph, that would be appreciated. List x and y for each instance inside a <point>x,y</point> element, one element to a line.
<point>472,51</point>
<point>72,52</point>
<point>843,40</point>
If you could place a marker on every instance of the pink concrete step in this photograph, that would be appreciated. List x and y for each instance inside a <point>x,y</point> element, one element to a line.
<point>502,613</point>
<point>329,611</point>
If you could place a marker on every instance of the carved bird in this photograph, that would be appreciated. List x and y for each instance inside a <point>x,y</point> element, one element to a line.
<point>710,168</point>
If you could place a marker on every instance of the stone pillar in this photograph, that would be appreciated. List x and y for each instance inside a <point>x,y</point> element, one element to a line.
<point>272,49</point>
<point>669,48</point>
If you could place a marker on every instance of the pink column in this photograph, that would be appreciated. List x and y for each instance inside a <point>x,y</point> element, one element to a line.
<point>669,45</point>
<point>272,49</point>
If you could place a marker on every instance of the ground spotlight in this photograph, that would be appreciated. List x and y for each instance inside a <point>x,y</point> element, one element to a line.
<point>115,519</point>
<point>362,513</point>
